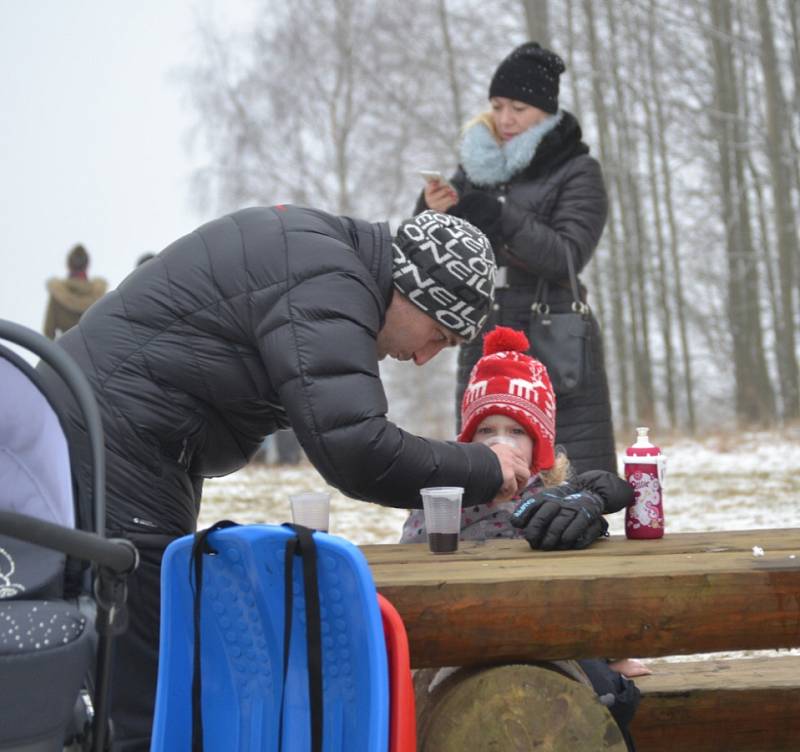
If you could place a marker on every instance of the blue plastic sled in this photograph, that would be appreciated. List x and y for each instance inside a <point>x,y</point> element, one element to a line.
<point>242,647</point>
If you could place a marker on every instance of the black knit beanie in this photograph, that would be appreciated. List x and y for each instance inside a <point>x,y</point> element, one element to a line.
<point>529,74</point>
<point>446,267</point>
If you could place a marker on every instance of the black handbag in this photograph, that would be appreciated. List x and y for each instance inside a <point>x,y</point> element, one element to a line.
<point>561,341</point>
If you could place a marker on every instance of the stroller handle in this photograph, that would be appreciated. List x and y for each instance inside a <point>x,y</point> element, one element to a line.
<point>58,359</point>
<point>117,554</point>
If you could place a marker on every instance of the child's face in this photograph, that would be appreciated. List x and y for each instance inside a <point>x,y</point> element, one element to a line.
<point>503,426</point>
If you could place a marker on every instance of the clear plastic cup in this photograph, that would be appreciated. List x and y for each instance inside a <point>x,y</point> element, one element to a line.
<point>507,440</point>
<point>442,507</point>
<point>311,509</point>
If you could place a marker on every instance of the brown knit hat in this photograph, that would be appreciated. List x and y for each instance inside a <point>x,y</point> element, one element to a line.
<point>78,259</point>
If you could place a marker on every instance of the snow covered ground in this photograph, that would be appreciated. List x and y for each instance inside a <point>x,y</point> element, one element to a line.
<point>722,482</point>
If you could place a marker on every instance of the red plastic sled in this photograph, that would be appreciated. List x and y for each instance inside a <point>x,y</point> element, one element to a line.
<point>402,709</point>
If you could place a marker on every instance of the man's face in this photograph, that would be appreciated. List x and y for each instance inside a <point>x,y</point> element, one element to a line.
<point>409,334</point>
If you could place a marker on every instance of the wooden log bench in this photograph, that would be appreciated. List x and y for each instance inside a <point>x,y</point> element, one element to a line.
<point>498,602</point>
<point>740,704</point>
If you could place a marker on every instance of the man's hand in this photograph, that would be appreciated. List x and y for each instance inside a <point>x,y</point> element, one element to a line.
<point>559,518</point>
<point>516,471</point>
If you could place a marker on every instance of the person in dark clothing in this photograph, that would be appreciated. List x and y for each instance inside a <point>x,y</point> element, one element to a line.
<point>70,297</point>
<point>527,180</point>
<point>264,319</point>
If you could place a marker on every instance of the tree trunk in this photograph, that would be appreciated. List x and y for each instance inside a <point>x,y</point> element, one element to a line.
<point>619,329</point>
<point>450,59</point>
<point>780,157</point>
<point>661,260</point>
<point>760,213</point>
<point>598,298</point>
<point>537,21</point>
<point>492,708</point>
<point>755,401</point>
<point>792,11</point>
<point>764,240</point>
<point>635,241</point>
<point>340,104</point>
<point>677,268</point>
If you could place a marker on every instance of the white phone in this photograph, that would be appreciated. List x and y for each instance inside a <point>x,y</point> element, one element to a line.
<point>431,176</point>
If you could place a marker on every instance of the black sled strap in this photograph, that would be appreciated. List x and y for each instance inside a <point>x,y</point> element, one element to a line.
<point>303,545</point>
<point>201,546</point>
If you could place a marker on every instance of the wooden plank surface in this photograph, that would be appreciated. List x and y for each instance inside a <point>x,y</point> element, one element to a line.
<point>500,602</point>
<point>750,704</point>
<point>787,539</point>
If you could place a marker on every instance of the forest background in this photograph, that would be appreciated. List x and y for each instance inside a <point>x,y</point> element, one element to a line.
<point>692,108</point>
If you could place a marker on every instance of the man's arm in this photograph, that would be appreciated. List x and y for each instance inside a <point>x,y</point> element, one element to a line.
<point>321,355</point>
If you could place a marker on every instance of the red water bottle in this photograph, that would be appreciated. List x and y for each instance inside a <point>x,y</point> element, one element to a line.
<point>644,471</point>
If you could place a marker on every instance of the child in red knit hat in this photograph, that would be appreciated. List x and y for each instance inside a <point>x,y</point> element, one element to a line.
<point>509,399</point>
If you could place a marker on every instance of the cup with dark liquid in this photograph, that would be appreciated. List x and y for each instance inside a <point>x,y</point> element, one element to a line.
<point>442,507</point>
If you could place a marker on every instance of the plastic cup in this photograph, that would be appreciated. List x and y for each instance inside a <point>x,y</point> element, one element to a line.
<point>442,506</point>
<point>311,509</point>
<point>507,440</point>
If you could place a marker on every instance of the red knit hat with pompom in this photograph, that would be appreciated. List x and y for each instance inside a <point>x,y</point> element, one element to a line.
<point>508,381</point>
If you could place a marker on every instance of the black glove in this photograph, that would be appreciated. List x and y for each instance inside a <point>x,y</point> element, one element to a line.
<point>560,518</point>
<point>480,209</point>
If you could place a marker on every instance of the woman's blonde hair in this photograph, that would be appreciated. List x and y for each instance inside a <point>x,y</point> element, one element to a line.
<point>560,471</point>
<point>485,118</point>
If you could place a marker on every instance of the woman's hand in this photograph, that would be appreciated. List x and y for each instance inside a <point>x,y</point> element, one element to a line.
<point>516,472</point>
<point>440,196</point>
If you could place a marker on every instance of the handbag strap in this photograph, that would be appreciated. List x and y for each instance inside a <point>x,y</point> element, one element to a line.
<point>540,295</point>
<point>577,304</point>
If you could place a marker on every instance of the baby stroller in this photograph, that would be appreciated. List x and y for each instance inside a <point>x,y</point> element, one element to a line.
<point>57,618</point>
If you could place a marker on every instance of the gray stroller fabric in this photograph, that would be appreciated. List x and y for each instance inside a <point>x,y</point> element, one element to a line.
<point>35,474</point>
<point>46,646</point>
<point>35,479</point>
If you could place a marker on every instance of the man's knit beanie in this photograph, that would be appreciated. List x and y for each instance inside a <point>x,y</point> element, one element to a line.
<point>446,267</point>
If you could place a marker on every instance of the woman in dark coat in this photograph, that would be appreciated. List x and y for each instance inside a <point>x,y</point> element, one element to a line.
<point>527,180</point>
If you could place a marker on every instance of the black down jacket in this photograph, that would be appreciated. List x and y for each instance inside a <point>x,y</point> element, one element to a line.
<point>557,201</point>
<point>259,320</point>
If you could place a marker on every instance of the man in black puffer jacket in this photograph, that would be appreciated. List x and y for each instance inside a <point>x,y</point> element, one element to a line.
<point>265,319</point>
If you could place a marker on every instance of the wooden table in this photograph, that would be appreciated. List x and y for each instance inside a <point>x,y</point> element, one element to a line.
<point>500,602</point>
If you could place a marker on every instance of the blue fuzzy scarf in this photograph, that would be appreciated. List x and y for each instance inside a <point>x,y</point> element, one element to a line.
<point>488,163</point>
